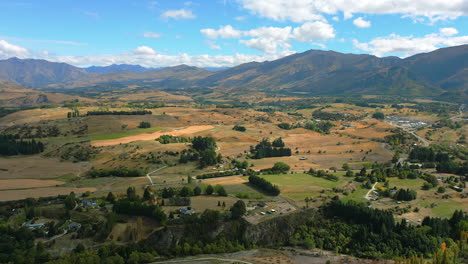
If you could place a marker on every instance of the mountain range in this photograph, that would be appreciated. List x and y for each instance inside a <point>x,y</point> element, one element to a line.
<point>442,73</point>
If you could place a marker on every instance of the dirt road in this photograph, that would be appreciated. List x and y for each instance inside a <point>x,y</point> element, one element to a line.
<point>151,136</point>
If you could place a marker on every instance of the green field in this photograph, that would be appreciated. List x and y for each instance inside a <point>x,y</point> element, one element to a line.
<point>300,180</point>
<point>414,184</point>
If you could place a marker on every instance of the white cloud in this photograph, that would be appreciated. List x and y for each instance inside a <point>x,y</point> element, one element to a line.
<point>409,45</point>
<point>335,18</point>
<point>360,22</point>
<point>240,18</point>
<point>44,53</point>
<point>313,31</point>
<point>151,35</point>
<point>8,50</point>
<point>307,10</point>
<point>213,45</point>
<point>274,39</point>
<point>223,32</point>
<point>144,50</point>
<point>448,31</point>
<point>178,14</point>
<point>161,60</point>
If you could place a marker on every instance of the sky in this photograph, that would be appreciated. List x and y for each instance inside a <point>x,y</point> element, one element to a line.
<point>223,33</point>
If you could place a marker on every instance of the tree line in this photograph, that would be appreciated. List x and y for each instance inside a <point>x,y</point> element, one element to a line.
<point>116,172</point>
<point>264,185</point>
<point>266,149</point>
<point>10,145</point>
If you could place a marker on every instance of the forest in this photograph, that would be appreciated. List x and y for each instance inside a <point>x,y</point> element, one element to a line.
<point>11,145</point>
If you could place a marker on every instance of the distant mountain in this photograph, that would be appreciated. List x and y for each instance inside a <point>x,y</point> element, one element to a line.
<point>318,72</point>
<point>442,73</point>
<point>117,68</point>
<point>169,77</point>
<point>33,73</point>
<point>215,69</point>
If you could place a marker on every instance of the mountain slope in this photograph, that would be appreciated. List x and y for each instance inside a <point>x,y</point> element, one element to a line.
<point>170,77</point>
<point>327,73</point>
<point>116,68</point>
<point>33,73</point>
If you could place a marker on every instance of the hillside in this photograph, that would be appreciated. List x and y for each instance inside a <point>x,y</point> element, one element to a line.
<point>440,74</point>
<point>327,73</point>
<point>33,73</point>
<point>14,95</point>
<point>116,68</point>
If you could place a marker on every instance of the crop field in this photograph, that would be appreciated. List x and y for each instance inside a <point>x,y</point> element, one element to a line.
<point>9,195</point>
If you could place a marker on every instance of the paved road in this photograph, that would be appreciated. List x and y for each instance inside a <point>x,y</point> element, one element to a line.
<point>422,140</point>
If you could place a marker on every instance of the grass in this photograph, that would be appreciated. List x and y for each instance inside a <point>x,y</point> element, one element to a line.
<point>357,195</point>
<point>300,180</point>
<point>414,184</point>
<point>127,133</point>
<point>443,208</point>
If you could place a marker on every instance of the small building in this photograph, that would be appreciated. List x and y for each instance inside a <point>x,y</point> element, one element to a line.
<point>87,203</point>
<point>74,226</point>
<point>186,211</point>
<point>262,204</point>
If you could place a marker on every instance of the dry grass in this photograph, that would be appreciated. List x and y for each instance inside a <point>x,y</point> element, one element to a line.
<point>151,136</point>
<point>40,192</point>
<point>37,167</point>
<point>27,184</point>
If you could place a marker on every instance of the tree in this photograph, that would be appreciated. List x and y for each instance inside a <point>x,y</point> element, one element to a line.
<point>144,124</point>
<point>278,143</point>
<point>131,194</point>
<point>209,190</point>
<point>441,189</point>
<point>185,192</point>
<point>221,191</point>
<point>110,197</point>
<point>280,167</point>
<point>238,209</point>
<point>70,201</point>
<point>146,194</point>
<point>345,167</point>
<point>378,115</point>
<point>196,191</point>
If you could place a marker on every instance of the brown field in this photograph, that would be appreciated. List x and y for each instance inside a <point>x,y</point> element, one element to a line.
<point>151,136</point>
<point>40,192</point>
<point>27,183</point>
<point>37,167</point>
<point>225,180</point>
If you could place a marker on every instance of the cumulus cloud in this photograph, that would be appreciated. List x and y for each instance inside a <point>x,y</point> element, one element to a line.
<point>161,60</point>
<point>223,32</point>
<point>275,39</point>
<point>313,31</point>
<point>144,50</point>
<point>448,31</point>
<point>178,14</point>
<point>150,34</point>
<point>8,50</point>
<point>405,46</point>
<point>360,22</point>
<point>307,10</point>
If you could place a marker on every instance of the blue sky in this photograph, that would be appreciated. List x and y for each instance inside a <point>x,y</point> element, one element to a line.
<point>223,32</point>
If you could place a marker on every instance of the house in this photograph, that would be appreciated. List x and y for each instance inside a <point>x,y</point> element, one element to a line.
<point>87,203</point>
<point>74,226</point>
<point>262,204</point>
<point>186,211</point>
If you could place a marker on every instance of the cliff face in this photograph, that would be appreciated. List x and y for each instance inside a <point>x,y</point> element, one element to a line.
<point>272,232</point>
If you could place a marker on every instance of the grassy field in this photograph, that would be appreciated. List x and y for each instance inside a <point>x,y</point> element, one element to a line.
<point>414,184</point>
